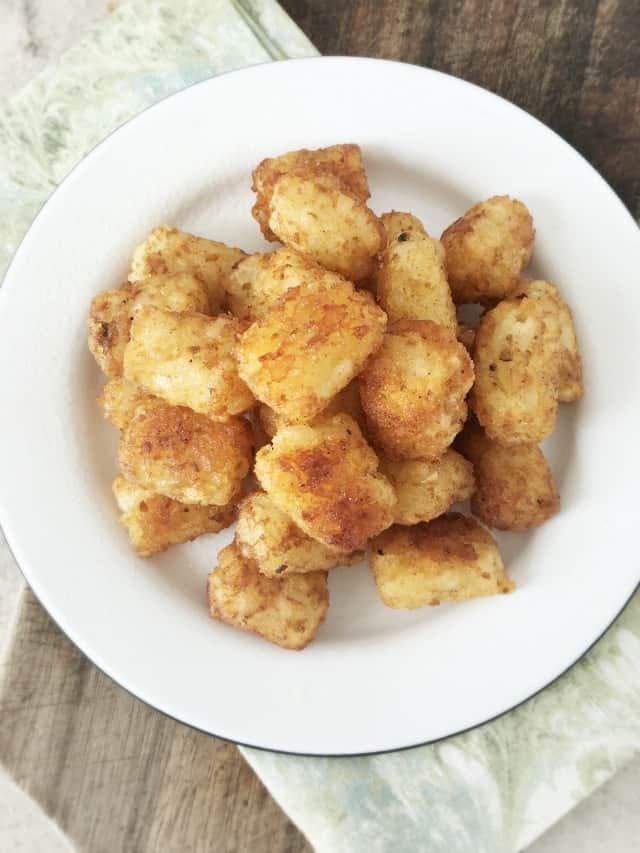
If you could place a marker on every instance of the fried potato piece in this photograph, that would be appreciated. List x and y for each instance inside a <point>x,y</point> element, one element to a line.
<point>287,268</point>
<point>451,558</point>
<point>342,161</point>
<point>178,291</point>
<point>319,216</point>
<point>560,334</point>
<point>413,390</point>
<point>188,359</point>
<point>177,452</point>
<point>242,298</point>
<point>411,280</point>
<point>260,280</point>
<point>515,396</point>
<point>167,250</point>
<point>346,401</point>
<point>279,547</point>
<point>325,477</point>
<point>426,489</point>
<point>108,328</point>
<point>515,488</point>
<point>309,346</point>
<point>113,310</point>
<point>287,610</point>
<point>119,400</point>
<point>487,249</point>
<point>155,522</point>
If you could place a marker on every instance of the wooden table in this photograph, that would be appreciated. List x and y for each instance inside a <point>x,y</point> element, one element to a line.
<point>119,776</point>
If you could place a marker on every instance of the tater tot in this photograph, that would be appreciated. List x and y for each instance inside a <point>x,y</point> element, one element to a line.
<point>276,544</point>
<point>487,249</point>
<point>319,216</point>
<point>188,359</point>
<point>242,299</point>
<point>346,401</point>
<point>178,291</point>
<point>342,161</point>
<point>515,488</point>
<point>260,283</point>
<point>287,268</point>
<point>174,451</point>
<point>560,335</point>
<point>325,477</point>
<point>167,250</point>
<point>515,396</point>
<point>119,400</point>
<point>413,390</point>
<point>155,522</point>
<point>287,610</point>
<point>411,280</point>
<point>426,489</point>
<point>309,346</point>
<point>108,329</point>
<point>113,310</point>
<point>451,558</point>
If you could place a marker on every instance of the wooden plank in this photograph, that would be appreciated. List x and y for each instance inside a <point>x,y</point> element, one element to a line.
<point>119,776</point>
<point>574,64</point>
<point>115,774</point>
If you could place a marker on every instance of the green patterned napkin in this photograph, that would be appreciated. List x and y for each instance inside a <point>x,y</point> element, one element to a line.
<point>142,52</point>
<point>493,789</point>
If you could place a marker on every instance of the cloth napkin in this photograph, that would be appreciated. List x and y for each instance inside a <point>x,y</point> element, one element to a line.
<point>492,789</point>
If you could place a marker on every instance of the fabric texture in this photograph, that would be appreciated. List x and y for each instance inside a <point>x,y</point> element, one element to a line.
<point>492,789</point>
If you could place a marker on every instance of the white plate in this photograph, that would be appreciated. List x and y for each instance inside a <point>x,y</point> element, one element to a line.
<point>374,679</point>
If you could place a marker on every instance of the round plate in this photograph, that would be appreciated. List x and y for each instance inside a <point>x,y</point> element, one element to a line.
<point>374,679</point>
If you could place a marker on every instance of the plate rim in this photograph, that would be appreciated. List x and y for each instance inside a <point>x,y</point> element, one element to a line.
<point>297,753</point>
<point>10,543</point>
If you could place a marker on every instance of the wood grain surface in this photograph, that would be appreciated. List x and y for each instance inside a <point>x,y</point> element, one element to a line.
<point>574,65</point>
<point>119,776</point>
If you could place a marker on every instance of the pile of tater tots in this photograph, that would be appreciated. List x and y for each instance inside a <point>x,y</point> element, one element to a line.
<point>326,398</point>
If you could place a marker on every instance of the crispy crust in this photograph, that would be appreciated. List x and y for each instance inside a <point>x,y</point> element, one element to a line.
<point>119,400</point>
<point>319,216</point>
<point>325,477</point>
<point>342,161</point>
<point>188,359</point>
<point>451,558</point>
<point>515,396</point>
<point>425,489</point>
<point>308,347</point>
<point>177,452</point>
<point>112,312</point>
<point>487,249</point>
<point>257,282</point>
<point>346,402</point>
<point>560,336</point>
<point>411,281</point>
<point>108,329</point>
<point>242,297</point>
<point>155,522</point>
<point>413,390</point>
<point>279,547</point>
<point>515,488</point>
<point>287,611</point>
<point>168,250</point>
